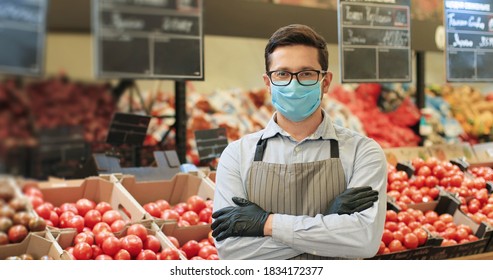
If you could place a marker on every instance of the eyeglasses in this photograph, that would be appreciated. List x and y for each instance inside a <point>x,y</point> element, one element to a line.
<point>305,77</point>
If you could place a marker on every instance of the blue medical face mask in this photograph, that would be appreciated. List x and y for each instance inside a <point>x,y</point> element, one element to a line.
<point>294,101</point>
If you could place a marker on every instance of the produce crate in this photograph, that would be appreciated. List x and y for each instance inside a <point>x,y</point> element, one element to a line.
<point>176,190</point>
<point>103,188</point>
<point>452,151</point>
<point>394,155</point>
<point>37,244</point>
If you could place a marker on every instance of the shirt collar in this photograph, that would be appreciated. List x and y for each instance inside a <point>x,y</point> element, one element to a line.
<point>324,131</point>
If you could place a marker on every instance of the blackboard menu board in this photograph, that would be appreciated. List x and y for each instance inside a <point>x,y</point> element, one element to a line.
<point>375,40</point>
<point>22,36</point>
<point>147,39</point>
<point>469,37</point>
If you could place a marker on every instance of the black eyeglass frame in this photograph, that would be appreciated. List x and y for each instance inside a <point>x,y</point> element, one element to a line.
<point>269,73</point>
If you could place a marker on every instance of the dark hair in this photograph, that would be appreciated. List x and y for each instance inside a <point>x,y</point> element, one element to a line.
<point>297,34</point>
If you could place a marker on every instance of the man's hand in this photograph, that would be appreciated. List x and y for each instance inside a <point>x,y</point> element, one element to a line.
<point>246,220</point>
<point>352,200</point>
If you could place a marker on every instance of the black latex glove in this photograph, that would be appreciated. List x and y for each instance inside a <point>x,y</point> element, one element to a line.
<point>352,200</point>
<point>246,220</point>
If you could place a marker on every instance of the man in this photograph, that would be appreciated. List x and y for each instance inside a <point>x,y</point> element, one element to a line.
<point>302,188</point>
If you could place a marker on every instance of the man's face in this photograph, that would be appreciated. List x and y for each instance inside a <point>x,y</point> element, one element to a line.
<point>296,58</point>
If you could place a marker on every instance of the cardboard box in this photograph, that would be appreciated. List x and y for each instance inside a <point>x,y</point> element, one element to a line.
<point>36,244</point>
<point>452,151</point>
<point>96,189</point>
<point>484,154</point>
<point>176,190</point>
<point>395,155</point>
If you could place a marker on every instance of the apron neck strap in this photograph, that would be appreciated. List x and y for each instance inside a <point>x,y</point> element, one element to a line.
<point>262,144</point>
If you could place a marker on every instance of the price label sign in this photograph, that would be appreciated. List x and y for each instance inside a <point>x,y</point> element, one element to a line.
<point>469,37</point>
<point>375,40</point>
<point>22,36</point>
<point>148,39</point>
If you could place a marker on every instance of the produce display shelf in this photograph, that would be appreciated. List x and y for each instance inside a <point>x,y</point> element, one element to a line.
<point>483,256</point>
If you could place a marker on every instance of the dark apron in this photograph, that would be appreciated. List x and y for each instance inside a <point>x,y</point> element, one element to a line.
<point>298,188</point>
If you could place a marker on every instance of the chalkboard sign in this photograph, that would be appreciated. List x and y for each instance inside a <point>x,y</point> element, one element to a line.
<point>22,36</point>
<point>469,37</point>
<point>210,143</point>
<point>375,40</point>
<point>147,39</point>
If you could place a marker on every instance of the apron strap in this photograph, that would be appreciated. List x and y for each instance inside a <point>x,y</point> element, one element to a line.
<point>262,144</point>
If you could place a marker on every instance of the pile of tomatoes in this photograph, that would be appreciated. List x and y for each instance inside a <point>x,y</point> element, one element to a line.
<point>197,250</point>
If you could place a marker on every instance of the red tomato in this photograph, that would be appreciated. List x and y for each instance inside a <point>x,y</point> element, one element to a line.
<point>69,206</point>
<point>210,237</point>
<point>118,225</point>
<point>381,248</point>
<point>396,246</point>
<point>196,203</point>
<point>439,225</point>
<point>456,181</point>
<point>207,250</point>
<point>448,242</point>
<point>473,238</point>
<point>101,236</point>
<point>153,209</point>
<point>398,235</point>
<point>392,226</point>
<point>83,205</point>
<point>191,248</point>
<point>147,255</point>
<point>103,207</point>
<point>111,245</point>
<point>101,226</point>
<point>461,233</point>
<point>96,251</point>
<point>405,217</point>
<point>422,236</point>
<point>431,181</point>
<point>170,214</point>
<point>33,191</point>
<point>64,217</point>
<point>84,237</point>
<point>449,233</point>
<point>92,217</point>
<point>213,257</point>
<point>139,230</point>
<point>103,258</point>
<point>110,216</point>
<point>35,201</point>
<point>152,243</point>
<point>17,233</point>
<point>163,204</point>
<point>431,217</point>
<point>122,255</point>
<point>76,222</point>
<point>446,218</point>
<point>133,244</point>
<point>44,211</point>
<point>387,237</point>
<point>169,254</point>
<point>411,241</point>
<point>82,251</point>
<point>191,217</point>
<point>205,215</point>
<point>424,171</point>
<point>54,218</point>
<point>173,240</point>
<point>439,171</point>
<point>417,163</point>
<point>391,216</point>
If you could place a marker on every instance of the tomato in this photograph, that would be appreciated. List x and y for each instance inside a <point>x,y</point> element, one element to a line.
<point>433,193</point>
<point>213,257</point>
<point>111,245</point>
<point>33,191</point>
<point>181,208</point>
<point>122,255</point>
<point>446,218</point>
<point>381,248</point>
<point>449,233</point>
<point>418,181</point>
<point>411,241</point>
<point>101,226</point>
<point>35,201</point>
<point>391,216</point>
<point>196,203</point>
<point>17,233</point>
<point>393,193</point>
<point>210,237</point>
<point>206,251</point>
<point>110,216</point>
<point>82,251</point>
<point>403,206</point>
<point>398,235</point>
<point>431,217</point>
<point>473,208</point>
<point>163,204</point>
<point>422,236</point>
<point>387,237</point>
<point>431,181</point>
<point>170,214</point>
<point>439,225</point>
<point>133,244</point>
<point>456,181</point>
<point>448,242</point>
<point>103,207</point>
<point>439,171</point>
<point>473,238</point>
<point>396,246</point>
<point>76,222</point>
<point>169,254</point>
<point>479,183</point>
<point>83,205</point>
<point>153,209</point>
<point>84,237</point>
<point>205,215</point>
<point>103,258</point>
<point>139,230</point>
<point>64,218</point>
<point>417,197</point>
<point>424,171</point>
<point>417,163</point>
<point>405,217</point>
<point>44,211</point>
<point>147,254</point>
<point>69,206</point>
<point>191,217</point>
<point>92,217</point>
<point>191,248</point>
<point>96,251</point>
<point>461,233</point>
<point>482,196</point>
<point>174,240</point>
<point>152,243</point>
<point>101,236</point>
